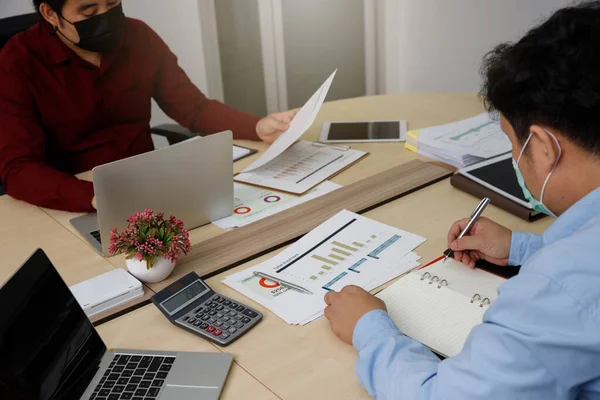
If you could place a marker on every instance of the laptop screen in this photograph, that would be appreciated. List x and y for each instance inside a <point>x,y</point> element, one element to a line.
<point>48,347</point>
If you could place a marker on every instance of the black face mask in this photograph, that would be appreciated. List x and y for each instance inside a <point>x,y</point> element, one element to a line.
<point>100,33</point>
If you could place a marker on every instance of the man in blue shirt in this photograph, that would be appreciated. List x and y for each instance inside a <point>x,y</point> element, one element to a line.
<point>541,338</point>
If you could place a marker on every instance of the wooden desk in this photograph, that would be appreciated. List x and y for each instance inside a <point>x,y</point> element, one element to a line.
<point>148,329</point>
<point>310,362</point>
<point>420,110</point>
<point>25,228</point>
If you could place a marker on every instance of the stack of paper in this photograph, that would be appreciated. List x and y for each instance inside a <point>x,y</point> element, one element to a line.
<point>348,249</point>
<point>461,143</point>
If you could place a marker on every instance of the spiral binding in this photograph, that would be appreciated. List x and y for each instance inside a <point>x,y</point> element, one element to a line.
<point>476,297</point>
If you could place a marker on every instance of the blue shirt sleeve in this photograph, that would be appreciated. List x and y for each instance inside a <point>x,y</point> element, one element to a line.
<point>535,342</point>
<point>522,246</point>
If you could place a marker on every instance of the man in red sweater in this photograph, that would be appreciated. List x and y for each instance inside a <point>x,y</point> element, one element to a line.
<point>76,90</point>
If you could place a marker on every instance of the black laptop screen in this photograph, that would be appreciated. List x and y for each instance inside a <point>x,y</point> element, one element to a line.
<point>48,347</point>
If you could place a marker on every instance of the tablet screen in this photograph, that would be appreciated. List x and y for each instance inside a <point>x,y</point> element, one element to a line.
<point>502,176</point>
<point>364,131</point>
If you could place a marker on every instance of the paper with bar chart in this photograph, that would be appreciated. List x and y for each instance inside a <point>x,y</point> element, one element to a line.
<point>301,167</point>
<point>348,249</point>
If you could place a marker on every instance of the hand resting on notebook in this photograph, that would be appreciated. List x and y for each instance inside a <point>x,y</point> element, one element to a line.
<point>487,241</point>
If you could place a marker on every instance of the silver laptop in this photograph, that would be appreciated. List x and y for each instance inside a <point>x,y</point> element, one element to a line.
<point>50,350</point>
<point>192,180</point>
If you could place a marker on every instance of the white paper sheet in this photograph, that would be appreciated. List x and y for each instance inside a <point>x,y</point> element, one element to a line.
<point>301,167</point>
<point>253,203</point>
<point>345,250</point>
<point>480,136</point>
<point>301,122</point>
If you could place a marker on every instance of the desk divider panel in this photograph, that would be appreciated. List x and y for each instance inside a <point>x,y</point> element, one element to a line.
<point>243,244</point>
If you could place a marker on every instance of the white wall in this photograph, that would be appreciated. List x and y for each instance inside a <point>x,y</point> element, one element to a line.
<point>442,42</point>
<point>178,24</point>
<point>10,8</point>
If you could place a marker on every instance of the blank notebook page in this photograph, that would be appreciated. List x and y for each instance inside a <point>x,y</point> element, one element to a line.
<point>441,319</point>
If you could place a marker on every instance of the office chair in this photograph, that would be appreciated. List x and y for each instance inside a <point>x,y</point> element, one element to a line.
<point>13,25</point>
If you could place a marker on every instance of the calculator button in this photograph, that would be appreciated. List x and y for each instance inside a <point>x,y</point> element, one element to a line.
<point>220,308</point>
<point>239,317</point>
<point>214,305</point>
<point>232,313</point>
<point>232,330</point>
<point>219,315</point>
<point>218,323</point>
<point>206,318</point>
<point>224,335</point>
<point>197,323</point>
<point>199,309</point>
<point>212,320</point>
<point>239,325</point>
<point>216,298</point>
<point>191,320</point>
<point>213,313</point>
<point>208,303</point>
<point>227,302</point>
<point>225,327</point>
<point>240,308</point>
<point>186,318</point>
<point>210,329</point>
<point>217,332</point>
<point>225,318</point>
<point>233,305</point>
<point>246,320</point>
<point>249,313</point>
<point>204,325</point>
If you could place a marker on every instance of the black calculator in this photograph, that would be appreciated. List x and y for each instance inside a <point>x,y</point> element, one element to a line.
<point>190,304</point>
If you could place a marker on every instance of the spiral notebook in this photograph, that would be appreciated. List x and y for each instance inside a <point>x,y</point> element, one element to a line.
<point>439,305</point>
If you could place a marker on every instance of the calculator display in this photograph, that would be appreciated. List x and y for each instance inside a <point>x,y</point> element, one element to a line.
<point>184,297</point>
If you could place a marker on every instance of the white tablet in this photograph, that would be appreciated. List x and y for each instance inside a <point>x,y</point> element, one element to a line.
<point>363,131</point>
<point>498,174</point>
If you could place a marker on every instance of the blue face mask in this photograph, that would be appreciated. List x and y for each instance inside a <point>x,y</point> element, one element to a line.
<point>537,205</point>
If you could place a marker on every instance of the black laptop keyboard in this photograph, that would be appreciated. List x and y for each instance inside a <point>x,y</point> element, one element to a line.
<point>133,378</point>
<point>96,235</point>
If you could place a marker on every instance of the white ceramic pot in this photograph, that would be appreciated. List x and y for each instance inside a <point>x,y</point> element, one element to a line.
<point>160,271</point>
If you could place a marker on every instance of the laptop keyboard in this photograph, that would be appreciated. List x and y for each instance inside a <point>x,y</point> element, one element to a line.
<point>132,377</point>
<point>96,235</point>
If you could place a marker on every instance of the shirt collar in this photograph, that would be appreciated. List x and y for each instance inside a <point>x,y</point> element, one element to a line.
<point>586,209</point>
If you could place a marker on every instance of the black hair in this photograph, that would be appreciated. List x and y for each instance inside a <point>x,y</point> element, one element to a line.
<point>56,5</point>
<point>551,77</point>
